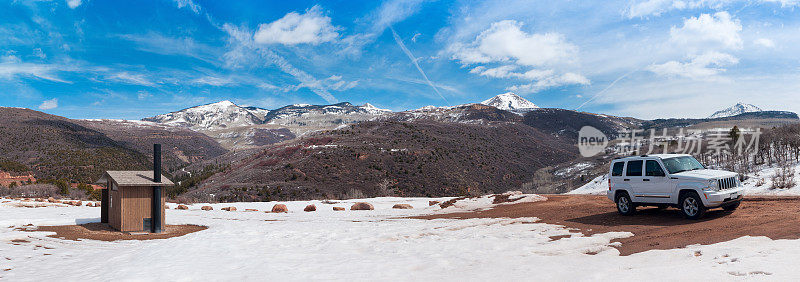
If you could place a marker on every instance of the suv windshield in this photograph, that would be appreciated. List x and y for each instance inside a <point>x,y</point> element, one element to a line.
<point>680,164</point>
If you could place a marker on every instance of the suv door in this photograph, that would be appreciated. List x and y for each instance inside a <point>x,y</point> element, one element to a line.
<point>655,185</point>
<point>633,176</point>
<point>617,174</point>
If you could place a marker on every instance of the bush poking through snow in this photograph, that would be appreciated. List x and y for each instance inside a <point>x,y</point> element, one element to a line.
<point>402,206</point>
<point>229,209</point>
<point>182,207</point>
<point>784,177</point>
<point>206,208</point>
<point>338,209</point>
<point>310,208</point>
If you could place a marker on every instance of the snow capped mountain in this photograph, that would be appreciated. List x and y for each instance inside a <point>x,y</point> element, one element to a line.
<point>341,112</point>
<point>510,102</point>
<point>372,109</point>
<point>737,109</point>
<point>222,114</point>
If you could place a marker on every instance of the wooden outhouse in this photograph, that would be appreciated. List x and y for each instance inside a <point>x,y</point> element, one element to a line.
<point>133,201</point>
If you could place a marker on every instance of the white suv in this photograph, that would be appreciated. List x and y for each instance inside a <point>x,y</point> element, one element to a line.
<point>671,180</point>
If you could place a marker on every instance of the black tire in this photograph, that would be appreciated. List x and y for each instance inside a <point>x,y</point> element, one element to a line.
<point>624,204</point>
<point>732,207</point>
<point>691,205</point>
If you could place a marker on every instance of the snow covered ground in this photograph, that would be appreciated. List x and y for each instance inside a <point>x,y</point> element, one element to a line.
<point>365,245</point>
<point>758,183</point>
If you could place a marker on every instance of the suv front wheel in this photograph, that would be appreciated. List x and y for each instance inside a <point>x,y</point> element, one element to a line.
<point>691,205</point>
<point>624,204</point>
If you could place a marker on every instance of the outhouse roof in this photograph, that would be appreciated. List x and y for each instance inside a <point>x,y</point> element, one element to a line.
<point>134,178</point>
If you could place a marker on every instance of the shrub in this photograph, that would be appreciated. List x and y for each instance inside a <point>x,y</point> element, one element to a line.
<point>784,177</point>
<point>33,190</point>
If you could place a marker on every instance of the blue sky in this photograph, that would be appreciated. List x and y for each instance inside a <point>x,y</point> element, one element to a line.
<point>647,59</point>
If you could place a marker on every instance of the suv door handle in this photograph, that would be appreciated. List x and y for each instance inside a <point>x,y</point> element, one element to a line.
<point>626,179</point>
<point>645,179</point>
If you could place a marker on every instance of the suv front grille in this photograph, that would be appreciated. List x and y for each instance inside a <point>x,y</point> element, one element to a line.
<point>726,183</point>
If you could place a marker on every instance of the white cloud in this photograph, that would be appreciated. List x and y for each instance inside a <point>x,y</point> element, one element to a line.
<point>784,3</point>
<point>11,67</point>
<point>188,4</point>
<point>310,28</point>
<point>243,51</point>
<point>142,95</point>
<point>652,7</point>
<point>415,37</point>
<point>764,42</point>
<point>541,79</point>
<point>415,62</point>
<point>185,46</point>
<point>130,78</point>
<point>508,71</point>
<point>387,14</point>
<point>73,3</point>
<point>37,52</point>
<point>332,83</point>
<point>708,32</point>
<point>550,80</point>
<point>640,9</point>
<point>703,67</point>
<point>49,104</point>
<point>213,81</point>
<point>505,41</point>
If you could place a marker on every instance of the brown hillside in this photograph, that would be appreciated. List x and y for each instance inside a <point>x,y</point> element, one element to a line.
<point>378,158</point>
<point>55,147</point>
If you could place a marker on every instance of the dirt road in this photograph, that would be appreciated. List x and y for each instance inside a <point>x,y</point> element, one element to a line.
<point>774,217</point>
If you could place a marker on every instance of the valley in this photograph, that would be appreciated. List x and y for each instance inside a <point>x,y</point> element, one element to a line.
<point>222,152</point>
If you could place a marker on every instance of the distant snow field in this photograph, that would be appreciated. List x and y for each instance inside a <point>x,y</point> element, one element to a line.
<point>365,245</point>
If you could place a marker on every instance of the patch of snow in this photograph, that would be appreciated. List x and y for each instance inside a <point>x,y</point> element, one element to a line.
<point>486,202</point>
<point>753,187</point>
<point>598,186</point>
<point>574,168</point>
<point>367,245</point>
<point>510,102</point>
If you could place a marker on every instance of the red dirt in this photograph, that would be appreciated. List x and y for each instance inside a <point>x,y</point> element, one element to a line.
<point>774,217</point>
<point>103,232</point>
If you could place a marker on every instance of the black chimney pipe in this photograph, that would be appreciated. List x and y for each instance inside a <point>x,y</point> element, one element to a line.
<point>155,221</point>
<point>157,163</point>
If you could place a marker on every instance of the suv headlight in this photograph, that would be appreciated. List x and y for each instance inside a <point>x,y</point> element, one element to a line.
<point>712,185</point>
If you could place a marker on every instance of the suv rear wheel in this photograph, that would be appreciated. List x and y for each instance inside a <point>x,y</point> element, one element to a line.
<point>624,204</point>
<point>691,205</point>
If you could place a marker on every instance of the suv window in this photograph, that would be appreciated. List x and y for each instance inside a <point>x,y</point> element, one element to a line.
<point>634,168</point>
<point>617,170</point>
<point>652,168</point>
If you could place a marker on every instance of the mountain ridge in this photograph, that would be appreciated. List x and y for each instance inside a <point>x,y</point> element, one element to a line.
<point>739,108</point>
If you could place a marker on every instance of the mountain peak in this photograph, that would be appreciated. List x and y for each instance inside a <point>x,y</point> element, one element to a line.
<point>737,109</point>
<point>510,102</point>
<point>221,114</point>
<point>224,103</point>
<point>372,109</point>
